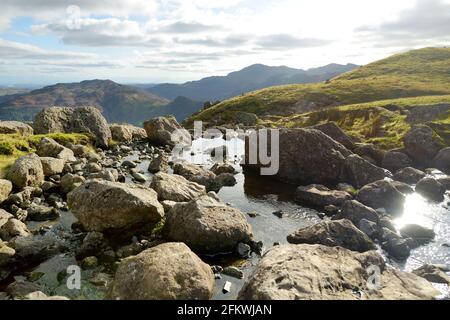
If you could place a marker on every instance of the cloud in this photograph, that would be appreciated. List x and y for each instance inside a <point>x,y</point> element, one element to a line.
<point>181,27</point>
<point>16,50</point>
<point>48,10</point>
<point>426,22</point>
<point>287,41</point>
<point>100,33</point>
<point>233,40</point>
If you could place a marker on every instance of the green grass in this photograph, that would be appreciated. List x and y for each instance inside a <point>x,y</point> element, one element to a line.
<point>13,146</point>
<point>376,122</point>
<point>416,73</point>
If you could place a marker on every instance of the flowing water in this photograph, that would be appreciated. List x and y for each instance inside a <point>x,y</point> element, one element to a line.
<point>263,196</point>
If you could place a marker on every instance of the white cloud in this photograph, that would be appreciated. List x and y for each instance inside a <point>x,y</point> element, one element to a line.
<point>16,50</point>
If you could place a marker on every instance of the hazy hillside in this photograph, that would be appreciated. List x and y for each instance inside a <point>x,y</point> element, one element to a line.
<point>423,72</point>
<point>255,77</point>
<point>118,103</point>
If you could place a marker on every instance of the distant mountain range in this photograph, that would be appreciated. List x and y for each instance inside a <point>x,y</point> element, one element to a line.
<point>138,103</point>
<point>252,78</point>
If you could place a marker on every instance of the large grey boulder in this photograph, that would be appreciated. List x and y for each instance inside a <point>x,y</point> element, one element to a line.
<point>360,172</point>
<point>382,194</point>
<point>126,133</point>
<point>176,188</point>
<point>310,156</point>
<point>15,127</point>
<point>442,160</point>
<point>316,272</point>
<point>5,189</point>
<point>332,130</point>
<point>52,166</point>
<point>71,181</point>
<point>422,144</point>
<point>50,148</point>
<point>321,196</point>
<point>341,233</point>
<point>170,271</point>
<point>108,206</point>
<point>73,120</point>
<point>159,131</point>
<point>394,161</point>
<point>27,171</point>
<point>431,189</point>
<point>356,212</point>
<point>199,175</point>
<point>207,226</point>
<point>409,175</point>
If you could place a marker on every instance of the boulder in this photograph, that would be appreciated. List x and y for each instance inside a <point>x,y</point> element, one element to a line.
<point>170,271</point>
<point>126,133</point>
<point>50,148</point>
<point>340,233</point>
<point>35,249</point>
<point>14,228</point>
<point>305,156</point>
<point>27,171</point>
<point>207,226</point>
<point>356,212</point>
<point>370,152</point>
<point>52,166</point>
<point>409,175</point>
<point>108,206</point>
<point>15,127</point>
<point>382,194</point>
<point>73,120</point>
<point>5,189</point>
<point>245,118</point>
<point>419,234</point>
<point>394,161</point>
<point>220,168</point>
<point>6,254</point>
<point>4,217</point>
<point>397,248</point>
<point>403,187</point>
<point>199,175</point>
<point>431,189</point>
<point>444,181</point>
<point>433,273</point>
<point>159,131</point>
<point>176,188</point>
<point>442,160</point>
<point>70,182</point>
<point>320,196</point>
<point>422,144</point>
<point>369,228</point>
<point>361,172</point>
<point>316,272</point>
<point>332,130</point>
<point>160,163</point>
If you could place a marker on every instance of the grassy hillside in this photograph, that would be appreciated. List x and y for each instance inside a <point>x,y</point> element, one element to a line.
<point>381,122</point>
<point>416,73</point>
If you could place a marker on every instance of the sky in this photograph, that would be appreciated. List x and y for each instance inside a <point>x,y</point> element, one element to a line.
<point>154,41</point>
